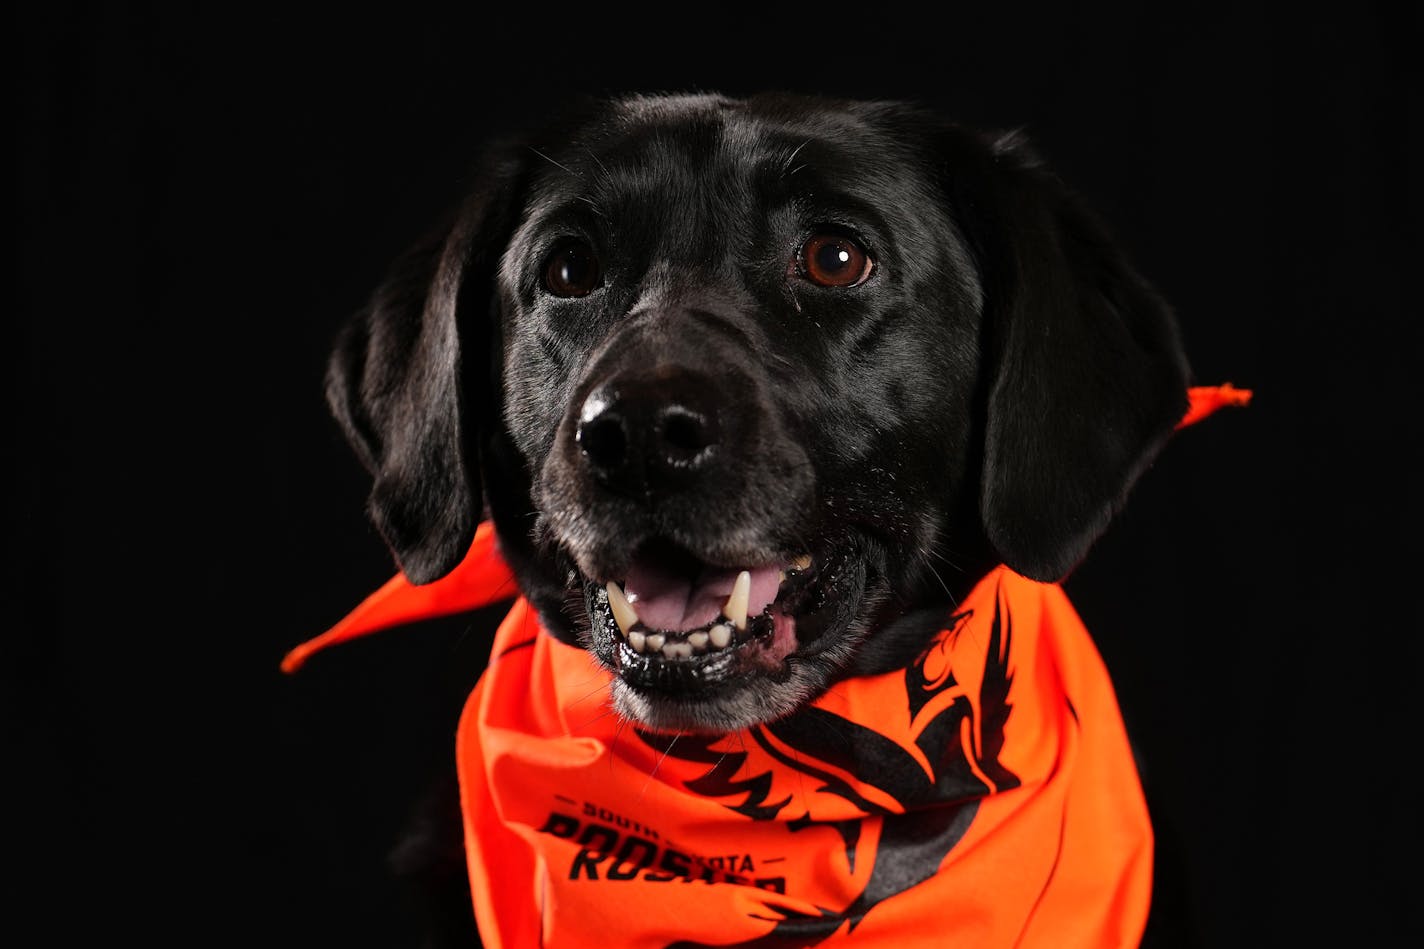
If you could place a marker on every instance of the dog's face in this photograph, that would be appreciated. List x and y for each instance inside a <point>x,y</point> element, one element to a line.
<point>753,388</point>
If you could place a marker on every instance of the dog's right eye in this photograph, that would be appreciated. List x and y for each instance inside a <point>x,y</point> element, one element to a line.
<point>834,260</point>
<point>572,271</point>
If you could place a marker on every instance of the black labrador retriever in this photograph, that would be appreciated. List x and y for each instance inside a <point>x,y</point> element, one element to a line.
<point>756,391</point>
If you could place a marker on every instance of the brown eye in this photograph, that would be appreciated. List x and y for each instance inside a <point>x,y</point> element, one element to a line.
<point>834,261</point>
<point>573,271</point>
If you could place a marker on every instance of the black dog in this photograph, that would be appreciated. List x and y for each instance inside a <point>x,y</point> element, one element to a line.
<point>755,391</point>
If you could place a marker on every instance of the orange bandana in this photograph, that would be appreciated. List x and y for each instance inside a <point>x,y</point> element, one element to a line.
<point>985,796</point>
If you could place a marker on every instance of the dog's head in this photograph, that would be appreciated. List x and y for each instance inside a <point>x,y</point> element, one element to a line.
<point>752,387</point>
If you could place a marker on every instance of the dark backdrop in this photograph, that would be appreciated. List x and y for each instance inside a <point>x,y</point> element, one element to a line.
<point>203,199</point>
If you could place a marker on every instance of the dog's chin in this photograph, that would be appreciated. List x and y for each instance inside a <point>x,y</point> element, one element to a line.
<point>683,663</point>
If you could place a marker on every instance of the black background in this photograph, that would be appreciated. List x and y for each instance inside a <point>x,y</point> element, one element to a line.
<point>202,200</point>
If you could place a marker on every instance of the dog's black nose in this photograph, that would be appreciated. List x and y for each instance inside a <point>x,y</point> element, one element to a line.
<point>649,432</point>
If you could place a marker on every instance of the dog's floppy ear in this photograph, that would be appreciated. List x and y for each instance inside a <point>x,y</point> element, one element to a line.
<point>394,379</point>
<point>1087,374</point>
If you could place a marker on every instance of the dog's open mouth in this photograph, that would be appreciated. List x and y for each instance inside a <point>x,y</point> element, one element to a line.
<point>681,631</point>
<point>695,616</point>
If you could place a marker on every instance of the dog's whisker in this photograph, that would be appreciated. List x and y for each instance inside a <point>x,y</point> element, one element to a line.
<point>800,778</point>
<point>925,561</point>
<point>596,209</point>
<point>932,551</point>
<point>613,746</point>
<point>713,769</point>
<point>606,705</point>
<point>506,589</point>
<point>601,688</point>
<point>830,725</point>
<point>597,718</point>
<point>657,765</point>
<point>462,638</point>
<point>554,163</point>
<point>939,555</point>
<point>785,173</point>
<point>607,175</point>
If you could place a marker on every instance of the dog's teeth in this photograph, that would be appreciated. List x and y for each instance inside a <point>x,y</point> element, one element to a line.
<point>697,640</point>
<point>801,562</point>
<point>623,612</point>
<point>736,608</point>
<point>677,650</point>
<point>720,635</point>
<point>637,640</point>
<point>781,576</point>
<point>655,642</point>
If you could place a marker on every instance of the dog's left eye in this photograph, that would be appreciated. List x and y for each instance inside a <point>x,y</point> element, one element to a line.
<point>834,260</point>
<point>573,271</point>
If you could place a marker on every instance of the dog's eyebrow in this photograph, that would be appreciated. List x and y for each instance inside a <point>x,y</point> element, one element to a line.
<point>552,162</point>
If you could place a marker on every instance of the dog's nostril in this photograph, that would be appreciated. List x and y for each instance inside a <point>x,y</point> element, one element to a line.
<point>603,439</point>
<point>684,432</point>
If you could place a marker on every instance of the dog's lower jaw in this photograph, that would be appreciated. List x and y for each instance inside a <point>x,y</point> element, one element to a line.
<point>743,706</point>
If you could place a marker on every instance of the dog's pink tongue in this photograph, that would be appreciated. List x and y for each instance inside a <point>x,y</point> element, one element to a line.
<point>667,599</point>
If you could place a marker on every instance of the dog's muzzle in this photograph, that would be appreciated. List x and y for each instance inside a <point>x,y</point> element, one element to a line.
<point>663,439</point>
<point>686,505</point>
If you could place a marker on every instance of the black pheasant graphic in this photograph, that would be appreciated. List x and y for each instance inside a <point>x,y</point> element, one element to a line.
<point>937,809</point>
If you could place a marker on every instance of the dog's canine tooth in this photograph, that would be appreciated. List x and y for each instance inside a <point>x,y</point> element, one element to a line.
<point>801,562</point>
<point>655,642</point>
<point>736,608</point>
<point>720,635</point>
<point>623,612</point>
<point>637,640</point>
<point>697,640</point>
